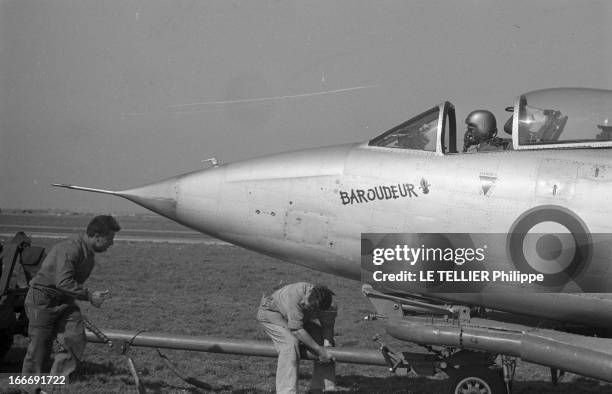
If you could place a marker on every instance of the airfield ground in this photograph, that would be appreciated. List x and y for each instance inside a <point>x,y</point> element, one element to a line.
<point>213,290</point>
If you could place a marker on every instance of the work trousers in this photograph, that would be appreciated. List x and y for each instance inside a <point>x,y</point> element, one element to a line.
<point>287,346</point>
<point>52,317</point>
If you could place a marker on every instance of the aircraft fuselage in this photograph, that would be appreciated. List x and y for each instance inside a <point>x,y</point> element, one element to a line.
<point>311,207</point>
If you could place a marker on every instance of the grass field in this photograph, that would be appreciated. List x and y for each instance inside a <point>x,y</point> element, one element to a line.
<point>214,290</point>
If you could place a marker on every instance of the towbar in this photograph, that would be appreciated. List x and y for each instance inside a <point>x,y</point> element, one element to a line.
<point>233,346</point>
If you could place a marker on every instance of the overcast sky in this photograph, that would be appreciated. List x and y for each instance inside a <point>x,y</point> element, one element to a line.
<point>117,94</point>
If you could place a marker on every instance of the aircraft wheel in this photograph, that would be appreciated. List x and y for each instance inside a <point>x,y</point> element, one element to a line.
<point>476,380</point>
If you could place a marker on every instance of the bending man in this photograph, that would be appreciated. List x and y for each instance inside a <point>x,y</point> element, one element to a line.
<point>50,302</point>
<point>300,313</point>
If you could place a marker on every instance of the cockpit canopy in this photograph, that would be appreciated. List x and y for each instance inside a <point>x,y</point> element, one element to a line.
<point>543,119</point>
<point>432,131</point>
<point>563,118</point>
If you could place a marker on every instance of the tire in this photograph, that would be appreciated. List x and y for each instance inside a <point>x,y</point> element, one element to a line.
<point>476,380</point>
<point>7,324</point>
<point>6,342</point>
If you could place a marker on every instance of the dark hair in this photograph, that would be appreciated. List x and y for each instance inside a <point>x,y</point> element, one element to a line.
<point>102,225</point>
<point>320,297</point>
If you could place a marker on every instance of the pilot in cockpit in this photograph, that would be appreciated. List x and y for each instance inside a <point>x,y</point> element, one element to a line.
<point>481,134</point>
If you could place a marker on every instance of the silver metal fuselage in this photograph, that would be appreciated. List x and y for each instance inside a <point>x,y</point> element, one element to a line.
<point>310,207</point>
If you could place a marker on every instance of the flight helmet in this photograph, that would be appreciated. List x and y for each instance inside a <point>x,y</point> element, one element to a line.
<point>481,125</point>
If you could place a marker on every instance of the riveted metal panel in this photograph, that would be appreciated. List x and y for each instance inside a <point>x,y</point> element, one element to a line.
<point>306,227</point>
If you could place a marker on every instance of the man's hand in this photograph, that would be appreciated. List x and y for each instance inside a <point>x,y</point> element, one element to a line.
<point>303,336</point>
<point>324,356</point>
<point>98,297</point>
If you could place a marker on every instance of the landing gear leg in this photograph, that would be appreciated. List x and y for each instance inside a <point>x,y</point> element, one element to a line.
<point>555,375</point>
<point>508,368</point>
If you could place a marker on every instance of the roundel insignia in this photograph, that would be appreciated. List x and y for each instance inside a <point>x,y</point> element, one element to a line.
<point>552,241</point>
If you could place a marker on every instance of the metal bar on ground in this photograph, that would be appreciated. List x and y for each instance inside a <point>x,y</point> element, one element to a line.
<point>230,346</point>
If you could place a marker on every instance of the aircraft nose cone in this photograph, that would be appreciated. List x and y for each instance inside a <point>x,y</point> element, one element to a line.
<point>160,197</point>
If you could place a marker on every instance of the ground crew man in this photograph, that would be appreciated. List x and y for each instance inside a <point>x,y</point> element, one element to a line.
<point>300,313</point>
<point>50,303</point>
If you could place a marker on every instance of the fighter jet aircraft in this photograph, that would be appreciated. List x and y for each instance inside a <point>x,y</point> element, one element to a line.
<point>537,211</point>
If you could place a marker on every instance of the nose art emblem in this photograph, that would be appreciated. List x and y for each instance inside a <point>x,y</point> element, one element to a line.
<point>424,186</point>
